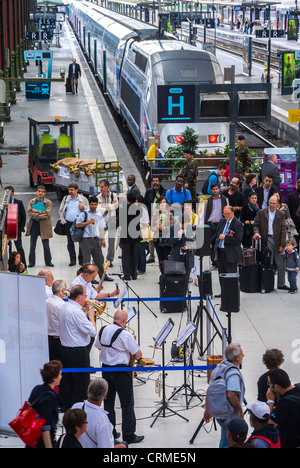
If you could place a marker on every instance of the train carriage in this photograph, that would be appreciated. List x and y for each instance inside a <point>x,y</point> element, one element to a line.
<point>138,64</point>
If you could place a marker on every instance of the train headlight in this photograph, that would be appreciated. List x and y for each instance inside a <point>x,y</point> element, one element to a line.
<point>178,139</point>
<point>216,138</point>
<point>213,138</point>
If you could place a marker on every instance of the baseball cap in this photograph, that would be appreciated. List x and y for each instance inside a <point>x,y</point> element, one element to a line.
<point>237,426</point>
<point>260,409</point>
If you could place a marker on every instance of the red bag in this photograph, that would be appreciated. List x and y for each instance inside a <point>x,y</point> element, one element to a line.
<point>28,425</point>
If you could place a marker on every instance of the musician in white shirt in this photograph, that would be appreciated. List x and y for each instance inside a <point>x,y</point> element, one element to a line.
<point>87,274</point>
<point>116,344</point>
<point>53,305</point>
<point>76,327</point>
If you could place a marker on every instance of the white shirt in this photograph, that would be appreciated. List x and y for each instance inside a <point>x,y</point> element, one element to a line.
<point>124,345</point>
<point>49,292</point>
<point>91,292</point>
<point>271,221</point>
<point>99,433</point>
<point>52,308</point>
<point>92,230</point>
<point>74,327</point>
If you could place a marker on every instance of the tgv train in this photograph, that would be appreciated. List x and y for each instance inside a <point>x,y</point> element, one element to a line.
<point>149,80</point>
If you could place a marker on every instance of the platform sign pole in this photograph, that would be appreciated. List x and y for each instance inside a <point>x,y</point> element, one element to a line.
<point>232,150</point>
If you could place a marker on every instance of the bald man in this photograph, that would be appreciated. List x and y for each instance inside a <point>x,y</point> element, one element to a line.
<point>116,344</point>
<point>49,278</point>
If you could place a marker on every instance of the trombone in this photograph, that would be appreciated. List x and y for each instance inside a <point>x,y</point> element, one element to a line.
<point>100,309</point>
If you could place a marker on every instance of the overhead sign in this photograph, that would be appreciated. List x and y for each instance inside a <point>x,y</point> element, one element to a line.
<point>294,115</point>
<point>36,90</point>
<point>176,104</point>
<point>39,35</point>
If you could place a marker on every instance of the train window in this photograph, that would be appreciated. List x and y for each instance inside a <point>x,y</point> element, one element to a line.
<point>185,73</point>
<point>141,61</point>
<point>130,99</point>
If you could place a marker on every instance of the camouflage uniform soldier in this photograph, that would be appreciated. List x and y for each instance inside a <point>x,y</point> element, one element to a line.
<point>190,173</point>
<point>243,154</point>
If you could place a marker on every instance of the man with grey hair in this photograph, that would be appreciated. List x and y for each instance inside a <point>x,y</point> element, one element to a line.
<point>99,433</point>
<point>53,304</point>
<point>228,370</point>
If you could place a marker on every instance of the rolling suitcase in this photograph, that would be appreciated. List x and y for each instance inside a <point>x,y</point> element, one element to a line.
<point>173,286</point>
<point>250,278</point>
<point>68,85</point>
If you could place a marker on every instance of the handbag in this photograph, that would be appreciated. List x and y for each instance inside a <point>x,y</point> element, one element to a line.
<point>174,268</point>
<point>28,425</point>
<point>60,229</point>
<point>147,234</point>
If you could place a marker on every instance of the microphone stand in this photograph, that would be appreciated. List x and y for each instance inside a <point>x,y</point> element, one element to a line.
<point>139,300</point>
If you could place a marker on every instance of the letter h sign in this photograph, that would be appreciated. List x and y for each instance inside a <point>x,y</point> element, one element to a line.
<point>172,105</point>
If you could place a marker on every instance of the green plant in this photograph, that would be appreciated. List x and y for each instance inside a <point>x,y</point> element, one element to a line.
<point>190,139</point>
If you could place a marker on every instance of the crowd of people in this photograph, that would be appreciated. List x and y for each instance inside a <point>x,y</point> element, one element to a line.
<point>162,222</point>
<point>274,416</point>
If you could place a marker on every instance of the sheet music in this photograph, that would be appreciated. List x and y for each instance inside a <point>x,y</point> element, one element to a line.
<point>164,333</point>
<point>184,335</point>
<point>121,297</point>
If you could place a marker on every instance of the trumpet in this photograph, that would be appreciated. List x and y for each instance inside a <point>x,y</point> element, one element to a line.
<point>100,309</point>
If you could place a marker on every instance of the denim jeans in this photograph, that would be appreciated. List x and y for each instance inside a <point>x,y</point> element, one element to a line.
<point>223,441</point>
<point>292,277</point>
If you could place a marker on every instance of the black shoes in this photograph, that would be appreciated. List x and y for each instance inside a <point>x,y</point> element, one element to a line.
<point>108,278</point>
<point>49,264</point>
<point>134,439</point>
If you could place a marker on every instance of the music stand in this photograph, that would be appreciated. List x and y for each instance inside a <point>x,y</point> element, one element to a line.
<point>182,340</point>
<point>160,341</point>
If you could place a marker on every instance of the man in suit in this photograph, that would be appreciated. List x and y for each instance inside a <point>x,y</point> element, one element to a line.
<point>269,168</point>
<point>21,223</point>
<point>265,192</point>
<point>74,73</point>
<point>227,240</point>
<point>270,227</point>
<point>132,187</point>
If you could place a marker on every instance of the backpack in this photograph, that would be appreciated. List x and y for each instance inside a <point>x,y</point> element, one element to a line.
<point>77,233</point>
<point>218,404</point>
<point>206,183</point>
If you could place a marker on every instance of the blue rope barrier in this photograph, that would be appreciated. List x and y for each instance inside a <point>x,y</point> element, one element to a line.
<point>135,369</point>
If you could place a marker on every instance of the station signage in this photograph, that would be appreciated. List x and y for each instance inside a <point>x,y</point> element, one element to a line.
<point>39,35</point>
<point>176,103</point>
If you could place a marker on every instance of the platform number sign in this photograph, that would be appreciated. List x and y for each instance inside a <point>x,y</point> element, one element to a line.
<point>176,104</point>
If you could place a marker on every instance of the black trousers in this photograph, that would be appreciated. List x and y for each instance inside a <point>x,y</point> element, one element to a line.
<point>34,234</point>
<point>54,348</point>
<point>71,244</point>
<point>130,258</point>
<point>74,385</point>
<point>121,384</point>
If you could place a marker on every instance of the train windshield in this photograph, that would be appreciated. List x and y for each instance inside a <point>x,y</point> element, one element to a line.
<point>175,71</point>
